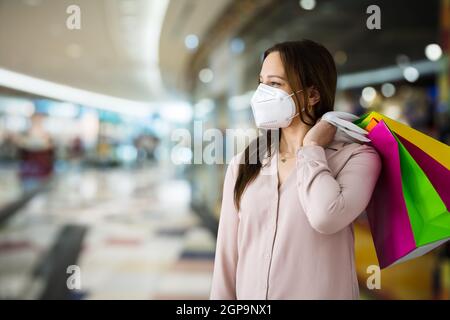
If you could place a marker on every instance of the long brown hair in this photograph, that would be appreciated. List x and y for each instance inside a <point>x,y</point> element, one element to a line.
<point>306,64</point>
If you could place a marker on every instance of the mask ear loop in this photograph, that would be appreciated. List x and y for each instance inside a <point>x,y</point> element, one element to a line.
<point>303,109</point>
<point>292,94</point>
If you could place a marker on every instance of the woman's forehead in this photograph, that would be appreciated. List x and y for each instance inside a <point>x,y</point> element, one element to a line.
<point>272,65</point>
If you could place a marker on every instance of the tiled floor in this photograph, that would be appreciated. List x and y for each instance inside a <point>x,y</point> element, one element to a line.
<point>142,241</point>
<point>10,188</point>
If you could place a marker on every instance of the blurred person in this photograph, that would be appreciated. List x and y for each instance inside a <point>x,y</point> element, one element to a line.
<point>8,148</point>
<point>289,235</point>
<point>76,148</point>
<point>444,127</point>
<point>146,145</point>
<point>36,154</point>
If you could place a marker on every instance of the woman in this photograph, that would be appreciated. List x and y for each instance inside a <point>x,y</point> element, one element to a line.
<point>288,235</point>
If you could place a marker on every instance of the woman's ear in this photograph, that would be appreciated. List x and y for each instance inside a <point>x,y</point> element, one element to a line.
<point>313,96</point>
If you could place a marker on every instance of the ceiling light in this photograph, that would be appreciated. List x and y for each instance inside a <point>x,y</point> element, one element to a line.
<point>237,45</point>
<point>369,94</point>
<point>411,74</point>
<point>307,4</point>
<point>388,90</point>
<point>191,41</point>
<point>340,57</point>
<point>433,51</point>
<point>206,75</point>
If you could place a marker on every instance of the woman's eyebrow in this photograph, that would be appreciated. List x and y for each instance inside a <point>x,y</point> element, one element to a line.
<point>274,76</point>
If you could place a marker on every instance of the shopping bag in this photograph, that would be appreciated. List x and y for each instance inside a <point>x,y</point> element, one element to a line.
<point>438,175</point>
<point>407,216</point>
<point>434,148</point>
<point>346,130</point>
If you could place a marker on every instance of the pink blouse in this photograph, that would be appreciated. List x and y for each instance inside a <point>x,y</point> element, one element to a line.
<point>296,241</point>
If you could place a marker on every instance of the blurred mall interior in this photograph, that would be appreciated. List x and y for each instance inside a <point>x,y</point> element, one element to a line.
<point>89,175</point>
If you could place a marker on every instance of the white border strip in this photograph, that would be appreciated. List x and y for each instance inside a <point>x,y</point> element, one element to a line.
<point>21,82</point>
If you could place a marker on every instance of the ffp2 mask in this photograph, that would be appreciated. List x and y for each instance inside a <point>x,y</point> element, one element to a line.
<point>272,108</point>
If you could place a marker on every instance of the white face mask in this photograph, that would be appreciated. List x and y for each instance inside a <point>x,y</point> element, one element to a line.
<point>272,108</point>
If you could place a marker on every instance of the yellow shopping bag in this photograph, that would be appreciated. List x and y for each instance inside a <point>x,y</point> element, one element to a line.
<point>436,149</point>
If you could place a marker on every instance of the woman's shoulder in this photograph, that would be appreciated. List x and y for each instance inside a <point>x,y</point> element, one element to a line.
<point>351,147</point>
<point>343,154</point>
<point>365,154</point>
<point>362,148</point>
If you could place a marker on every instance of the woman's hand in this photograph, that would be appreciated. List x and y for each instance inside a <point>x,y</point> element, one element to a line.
<point>321,134</point>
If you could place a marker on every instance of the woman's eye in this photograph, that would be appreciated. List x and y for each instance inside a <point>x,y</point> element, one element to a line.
<point>272,83</point>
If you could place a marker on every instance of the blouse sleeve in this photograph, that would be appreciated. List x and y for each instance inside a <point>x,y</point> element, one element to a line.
<point>332,203</point>
<point>226,257</point>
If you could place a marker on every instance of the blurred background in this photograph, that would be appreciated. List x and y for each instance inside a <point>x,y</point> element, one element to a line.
<point>90,171</point>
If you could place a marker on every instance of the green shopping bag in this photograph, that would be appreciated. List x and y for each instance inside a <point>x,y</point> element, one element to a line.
<point>429,217</point>
<point>406,214</point>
